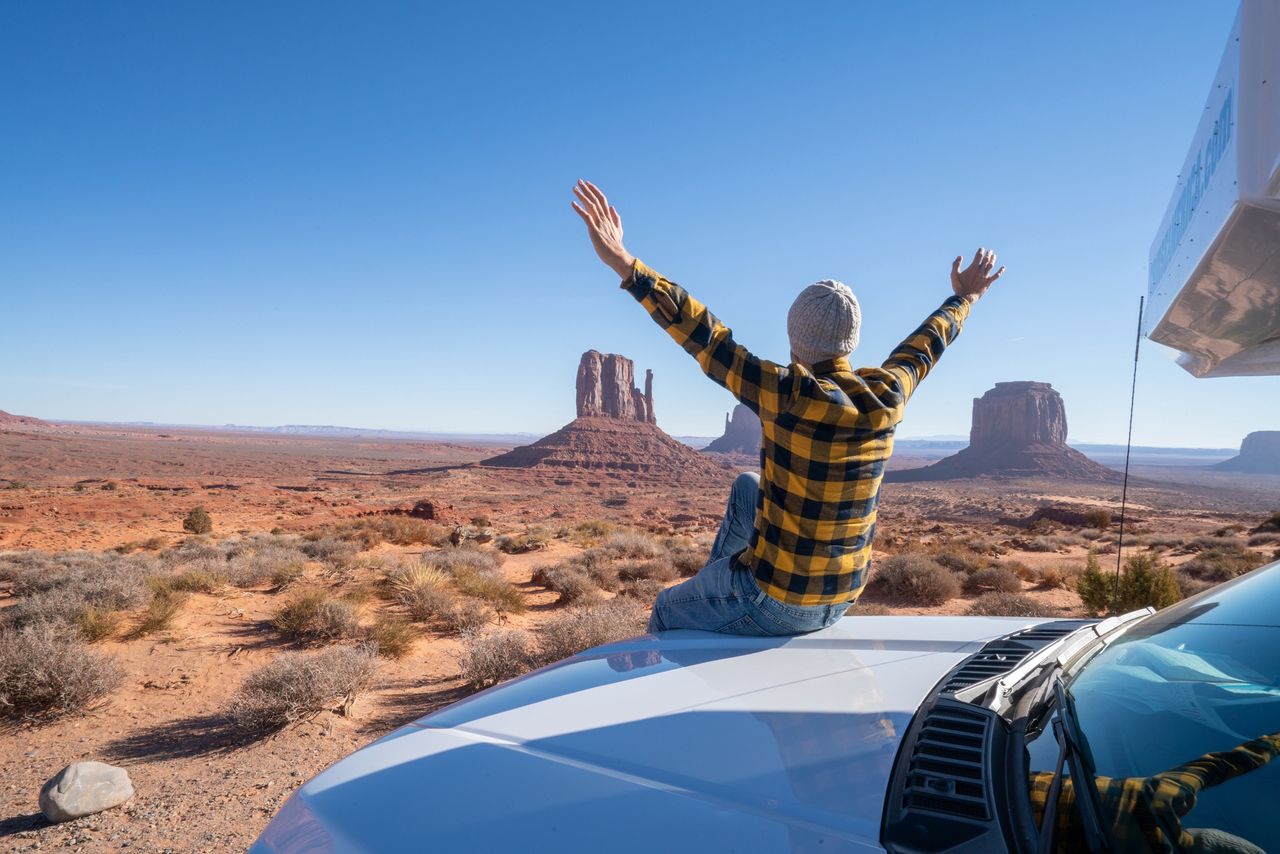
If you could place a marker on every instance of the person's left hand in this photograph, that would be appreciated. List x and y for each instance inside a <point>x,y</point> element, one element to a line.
<point>604,226</point>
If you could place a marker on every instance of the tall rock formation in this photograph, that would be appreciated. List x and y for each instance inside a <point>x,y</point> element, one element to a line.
<point>615,431</point>
<point>606,389</point>
<point>1019,430</point>
<point>741,434</point>
<point>1259,454</point>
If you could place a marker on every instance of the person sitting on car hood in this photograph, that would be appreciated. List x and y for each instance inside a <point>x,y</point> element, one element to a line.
<point>794,549</point>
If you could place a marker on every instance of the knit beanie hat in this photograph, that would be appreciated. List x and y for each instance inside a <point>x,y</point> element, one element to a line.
<point>823,322</point>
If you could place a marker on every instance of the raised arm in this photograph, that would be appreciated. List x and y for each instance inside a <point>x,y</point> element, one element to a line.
<point>912,360</point>
<point>760,384</point>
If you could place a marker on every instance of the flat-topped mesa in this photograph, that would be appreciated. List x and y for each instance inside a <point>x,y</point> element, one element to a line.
<point>1019,430</point>
<point>1259,454</point>
<point>1017,414</point>
<point>741,433</point>
<point>606,389</point>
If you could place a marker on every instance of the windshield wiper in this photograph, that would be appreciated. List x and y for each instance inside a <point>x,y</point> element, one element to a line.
<point>1071,752</point>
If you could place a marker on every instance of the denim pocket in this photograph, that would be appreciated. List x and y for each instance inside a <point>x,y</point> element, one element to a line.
<point>745,625</point>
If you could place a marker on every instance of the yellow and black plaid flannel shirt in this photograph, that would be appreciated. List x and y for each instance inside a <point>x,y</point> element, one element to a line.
<point>828,431</point>
<point>1145,813</point>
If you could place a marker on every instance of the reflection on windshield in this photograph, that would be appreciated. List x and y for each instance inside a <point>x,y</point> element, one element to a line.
<point>1182,720</point>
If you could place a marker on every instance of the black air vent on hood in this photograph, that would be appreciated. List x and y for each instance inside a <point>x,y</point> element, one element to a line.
<point>1001,656</point>
<point>947,769</point>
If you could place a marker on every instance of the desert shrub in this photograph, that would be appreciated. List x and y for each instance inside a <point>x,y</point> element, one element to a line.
<point>1041,544</point>
<point>1163,541</point>
<point>1271,523</point>
<point>1006,604</point>
<point>192,581</point>
<point>298,685</point>
<point>391,636</point>
<point>428,604</point>
<point>1223,562</point>
<point>197,521</point>
<point>1144,582</point>
<point>868,609</point>
<point>686,560</point>
<point>160,611</point>
<point>592,532</point>
<point>632,544</point>
<point>95,624</point>
<point>655,570</point>
<point>264,560</point>
<point>110,486</point>
<point>493,656</point>
<point>643,590</point>
<point>1189,585</point>
<point>395,529</point>
<point>530,540</point>
<point>462,559</point>
<point>46,671</point>
<point>1264,539</point>
<point>1019,569</point>
<point>285,575</point>
<point>500,593</point>
<point>959,560</point>
<point>995,578</point>
<point>1060,576</point>
<point>1097,517</point>
<point>573,631</point>
<point>466,615</point>
<point>330,550</point>
<point>572,583</point>
<point>916,578</point>
<point>317,616</point>
<point>58,588</point>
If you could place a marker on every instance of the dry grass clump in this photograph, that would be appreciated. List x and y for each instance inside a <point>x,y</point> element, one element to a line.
<point>391,636</point>
<point>1020,569</point>
<point>159,613</point>
<point>95,624</point>
<point>467,615</point>
<point>1222,562</point>
<point>298,685</point>
<point>464,558</point>
<point>633,544</point>
<point>45,671</point>
<point>1058,577</point>
<point>317,616</point>
<point>530,540</point>
<point>687,560</point>
<point>1041,544</point>
<point>192,581</point>
<point>993,578</point>
<point>496,655</point>
<point>570,632</point>
<point>477,573</point>
<point>916,578</point>
<point>395,529</point>
<point>1163,541</point>
<point>1005,604</point>
<point>1265,539</point>
<point>427,594</point>
<point>331,550</point>
<point>1189,585</point>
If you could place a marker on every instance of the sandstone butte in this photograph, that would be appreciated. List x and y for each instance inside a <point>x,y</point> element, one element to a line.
<point>1019,430</point>
<point>615,431</point>
<point>741,434</point>
<point>1259,454</point>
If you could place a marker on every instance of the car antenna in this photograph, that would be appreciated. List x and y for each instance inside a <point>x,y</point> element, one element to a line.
<point>1128,446</point>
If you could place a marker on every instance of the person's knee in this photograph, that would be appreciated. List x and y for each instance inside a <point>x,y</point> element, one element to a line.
<point>747,480</point>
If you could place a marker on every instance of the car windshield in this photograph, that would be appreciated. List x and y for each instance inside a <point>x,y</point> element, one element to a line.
<point>1181,721</point>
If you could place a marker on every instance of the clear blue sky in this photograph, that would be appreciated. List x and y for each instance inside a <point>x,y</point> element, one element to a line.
<point>358,213</point>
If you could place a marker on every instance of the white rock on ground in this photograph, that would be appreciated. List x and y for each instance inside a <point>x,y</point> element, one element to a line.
<point>84,788</point>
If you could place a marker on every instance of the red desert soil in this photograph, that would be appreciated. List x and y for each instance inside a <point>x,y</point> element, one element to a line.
<point>198,787</point>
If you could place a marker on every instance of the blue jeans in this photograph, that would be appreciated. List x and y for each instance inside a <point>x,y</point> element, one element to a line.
<point>724,596</point>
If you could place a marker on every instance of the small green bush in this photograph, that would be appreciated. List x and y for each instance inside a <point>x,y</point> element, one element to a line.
<point>1144,582</point>
<point>197,521</point>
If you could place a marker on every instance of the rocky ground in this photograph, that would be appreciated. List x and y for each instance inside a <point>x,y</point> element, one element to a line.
<point>202,786</point>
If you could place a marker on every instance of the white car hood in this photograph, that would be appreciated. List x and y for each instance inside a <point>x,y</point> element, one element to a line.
<point>689,741</point>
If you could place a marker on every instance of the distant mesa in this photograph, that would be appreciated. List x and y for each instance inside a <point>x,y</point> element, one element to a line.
<point>741,434</point>
<point>18,421</point>
<point>1259,454</point>
<point>615,431</point>
<point>1019,430</point>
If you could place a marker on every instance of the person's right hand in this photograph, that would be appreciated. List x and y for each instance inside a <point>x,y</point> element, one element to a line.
<point>604,227</point>
<point>972,282</point>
